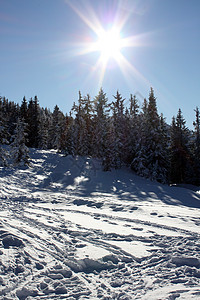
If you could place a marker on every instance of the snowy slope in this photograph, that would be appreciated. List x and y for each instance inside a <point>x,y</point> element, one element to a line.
<point>70,231</point>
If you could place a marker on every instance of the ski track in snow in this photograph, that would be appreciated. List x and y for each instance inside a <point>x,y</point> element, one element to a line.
<point>70,231</point>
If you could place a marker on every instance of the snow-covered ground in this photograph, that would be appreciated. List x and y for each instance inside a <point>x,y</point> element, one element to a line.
<point>70,231</point>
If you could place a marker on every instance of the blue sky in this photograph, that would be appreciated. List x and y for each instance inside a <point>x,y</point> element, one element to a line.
<point>41,42</point>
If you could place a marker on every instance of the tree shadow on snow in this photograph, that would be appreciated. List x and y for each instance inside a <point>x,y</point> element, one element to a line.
<point>84,177</point>
<point>125,185</point>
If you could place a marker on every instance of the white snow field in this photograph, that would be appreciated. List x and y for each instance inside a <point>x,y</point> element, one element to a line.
<point>71,231</point>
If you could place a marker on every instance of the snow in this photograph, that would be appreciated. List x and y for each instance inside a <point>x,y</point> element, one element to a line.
<point>71,231</point>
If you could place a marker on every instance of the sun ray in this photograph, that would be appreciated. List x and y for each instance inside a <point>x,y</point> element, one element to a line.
<point>127,68</point>
<point>83,48</point>
<point>99,67</point>
<point>102,71</point>
<point>93,23</point>
<point>121,18</point>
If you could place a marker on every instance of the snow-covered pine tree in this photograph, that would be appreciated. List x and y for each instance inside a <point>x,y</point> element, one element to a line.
<point>120,138</point>
<point>156,146</point>
<point>33,122</point>
<point>83,126</point>
<point>78,124</point>
<point>127,154</point>
<point>164,157</point>
<point>3,136</point>
<point>43,131</point>
<point>174,153</point>
<point>196,148</point>
<point>24,110</point>
<point>19,150</point>
<point>9,112</point>
<point>69,136</point>
<point>57,128</point>
<point>109,158</point>
<point>180,156</point>
<point>3,157</point>
<point>151,157</point>
<point>3,126</point>
<point>89,127</point>
<point>133,124</point>
<point>100,124</point>
<point>139,163</point>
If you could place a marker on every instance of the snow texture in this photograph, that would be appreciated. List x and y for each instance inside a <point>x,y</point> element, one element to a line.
<point>71,231</point>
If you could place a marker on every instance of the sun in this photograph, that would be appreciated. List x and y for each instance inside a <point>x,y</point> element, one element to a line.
<point>109,44</point>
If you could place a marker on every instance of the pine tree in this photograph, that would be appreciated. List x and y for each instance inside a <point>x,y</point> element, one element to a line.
<point>164,157</point>
<point>8,115</point>
<point>44,128</point>
<point>109,157</point>
<point>89,127</point>
<point>19,150</point>
<point>13,115</point>
<point>100,124</point>
<point>57,128</point>
<point>139,163</point>
<point>196,151</point>
<point>24,110</point>
<point>79,125</point>
<point>3,157</point>
<point>156,154</point>
<point>120,138</point>
<point>180,156</point>
<point>33,122</point>
<point>151,157</point>
<point>133,128</point>
<point>175,162</point>
<point>69,136</point>
<point>83,126</point>
<point>3,127</point>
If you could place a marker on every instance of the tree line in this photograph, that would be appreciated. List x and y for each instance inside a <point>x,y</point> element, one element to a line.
<point>134,136</point>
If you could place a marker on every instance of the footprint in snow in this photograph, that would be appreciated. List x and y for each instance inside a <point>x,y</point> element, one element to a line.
<point>134,208</point>
<point>11,241</point>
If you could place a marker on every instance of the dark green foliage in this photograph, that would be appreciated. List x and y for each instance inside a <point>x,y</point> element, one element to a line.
<point>69,137</point>
<point>57,129</point>
<point>119,130</point>
<point>83,126</point>
<point>19,150</point>
<point>116,134</point>
<point>100,125</point>
<point>24,110</point>
<point>151,151</point>
<point>3,157</point>
<point>181,161</point>
<point>196,147</point>
<point>33,122</point>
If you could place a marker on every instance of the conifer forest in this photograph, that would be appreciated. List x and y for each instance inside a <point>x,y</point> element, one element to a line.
<point>119,135</point>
